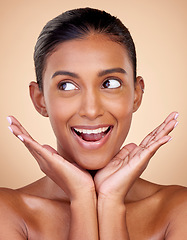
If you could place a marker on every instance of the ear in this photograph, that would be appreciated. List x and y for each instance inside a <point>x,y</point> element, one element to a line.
<point>37,98</point>
<point>138,93</point>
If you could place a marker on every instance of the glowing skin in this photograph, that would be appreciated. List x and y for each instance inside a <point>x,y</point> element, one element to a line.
<point>90,96</point>
<point>80,94</point>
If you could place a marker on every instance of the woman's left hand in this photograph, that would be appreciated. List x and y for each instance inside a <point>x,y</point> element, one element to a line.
<point>115,180</point>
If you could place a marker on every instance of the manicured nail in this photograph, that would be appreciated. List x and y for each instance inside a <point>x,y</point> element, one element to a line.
<point>170,139</point>
<point>20,137</point>
<point>10,129</point>
<point>176,124</point>
<point>9,120</point>
<point>176,116</point>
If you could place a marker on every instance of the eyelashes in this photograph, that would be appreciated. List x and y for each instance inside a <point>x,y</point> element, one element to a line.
<point>66,86</point>
<point>110,83</point>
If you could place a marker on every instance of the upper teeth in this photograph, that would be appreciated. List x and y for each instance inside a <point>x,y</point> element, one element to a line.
<point>91,131</point>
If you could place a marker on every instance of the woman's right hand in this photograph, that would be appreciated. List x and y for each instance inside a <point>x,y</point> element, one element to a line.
<point>75,182</point>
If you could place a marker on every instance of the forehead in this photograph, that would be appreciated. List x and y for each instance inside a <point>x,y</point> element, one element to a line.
<point>91,54</point>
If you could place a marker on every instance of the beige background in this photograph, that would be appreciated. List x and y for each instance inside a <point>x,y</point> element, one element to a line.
<point>160,34</point>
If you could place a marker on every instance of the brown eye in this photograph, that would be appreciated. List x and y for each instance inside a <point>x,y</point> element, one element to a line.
<point>66,86</point>
<point>111,83</point>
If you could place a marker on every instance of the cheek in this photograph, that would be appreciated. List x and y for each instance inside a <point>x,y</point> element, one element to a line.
<point>60,112</point>
<point>122,111</point>
<point>122,107</point>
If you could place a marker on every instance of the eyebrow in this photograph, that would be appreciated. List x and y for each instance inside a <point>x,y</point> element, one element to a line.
<point>100,74</point>
<point>66,73</point>
<point>111,70</point>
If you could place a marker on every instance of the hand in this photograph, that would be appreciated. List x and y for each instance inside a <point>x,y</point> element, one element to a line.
<point>115,180</point>
<point>69,176</point>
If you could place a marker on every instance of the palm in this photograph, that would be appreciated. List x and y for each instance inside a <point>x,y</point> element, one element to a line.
<point>117,177</point>
<point>70,177</point>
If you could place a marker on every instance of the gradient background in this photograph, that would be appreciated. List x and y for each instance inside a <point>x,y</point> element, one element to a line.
<point>159,29</point>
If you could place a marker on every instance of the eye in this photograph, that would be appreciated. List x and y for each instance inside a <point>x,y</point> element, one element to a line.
<point>66,86</point>
<point>111,83</point>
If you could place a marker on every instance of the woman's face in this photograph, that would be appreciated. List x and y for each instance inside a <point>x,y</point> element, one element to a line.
<point>89,94</point>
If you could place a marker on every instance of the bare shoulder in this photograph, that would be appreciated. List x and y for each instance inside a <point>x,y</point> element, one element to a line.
<point>11,224</point>
<point>9,200</point>
<point>165,207</point>
<point>174,205</point>
<point>179,192</point>
<point>171,200</point>
<point>21,213</point>
<point>175,198</point>
<point>28,211</point>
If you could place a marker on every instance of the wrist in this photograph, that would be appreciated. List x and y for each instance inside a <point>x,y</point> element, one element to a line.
<point>84,197</point>
<point>111,199</point>
<point>112,219</point>
<point>111,203</point>
<point>83,211</point>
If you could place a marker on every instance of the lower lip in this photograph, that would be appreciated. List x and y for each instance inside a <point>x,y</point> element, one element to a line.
<point>92,145</point>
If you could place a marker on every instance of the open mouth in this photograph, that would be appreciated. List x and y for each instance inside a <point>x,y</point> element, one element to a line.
<point>92,135</point>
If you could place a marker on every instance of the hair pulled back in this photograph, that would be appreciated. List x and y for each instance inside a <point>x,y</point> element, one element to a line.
<point>78,24</point>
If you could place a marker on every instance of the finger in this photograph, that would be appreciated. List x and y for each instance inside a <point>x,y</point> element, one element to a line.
<point>49,148</point>
<point>34,145</point>
<point>171,118</point>
<point>148,152</point>
<point>147,141</point>
<point>15,130</point>
<point>44,155</point>
<point>124,153</point>
<point>125,150</point>
<point>51,163</point>
<point>19,134</point>
<point>38,155</point>
<point>14,123</point>
<point>143,156</point>
<point>165,128</point>
<point>164,132</point>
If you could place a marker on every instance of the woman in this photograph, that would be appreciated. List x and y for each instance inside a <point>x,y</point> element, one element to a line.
<point>85,64</point>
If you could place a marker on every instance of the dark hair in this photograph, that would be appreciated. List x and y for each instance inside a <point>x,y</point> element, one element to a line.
<point>77,24</point>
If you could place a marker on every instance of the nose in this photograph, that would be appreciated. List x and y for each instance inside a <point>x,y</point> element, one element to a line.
<point>91,105</point>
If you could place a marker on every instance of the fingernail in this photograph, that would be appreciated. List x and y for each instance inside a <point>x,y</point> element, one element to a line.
<point>170,139</point>
<point>9,120</point>
<point>10,129</point>
<point>176,124</point>
<point>20,137</point>
<point>176,116</point>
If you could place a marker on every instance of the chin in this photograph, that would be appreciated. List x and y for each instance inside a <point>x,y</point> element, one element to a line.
<point>93,164</point>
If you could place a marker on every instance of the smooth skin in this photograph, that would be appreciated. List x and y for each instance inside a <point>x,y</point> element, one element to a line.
<point>74,201</point>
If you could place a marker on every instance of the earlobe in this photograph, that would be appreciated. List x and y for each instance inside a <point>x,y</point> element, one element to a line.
<point>139,90</point>
<point>37,98</point>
